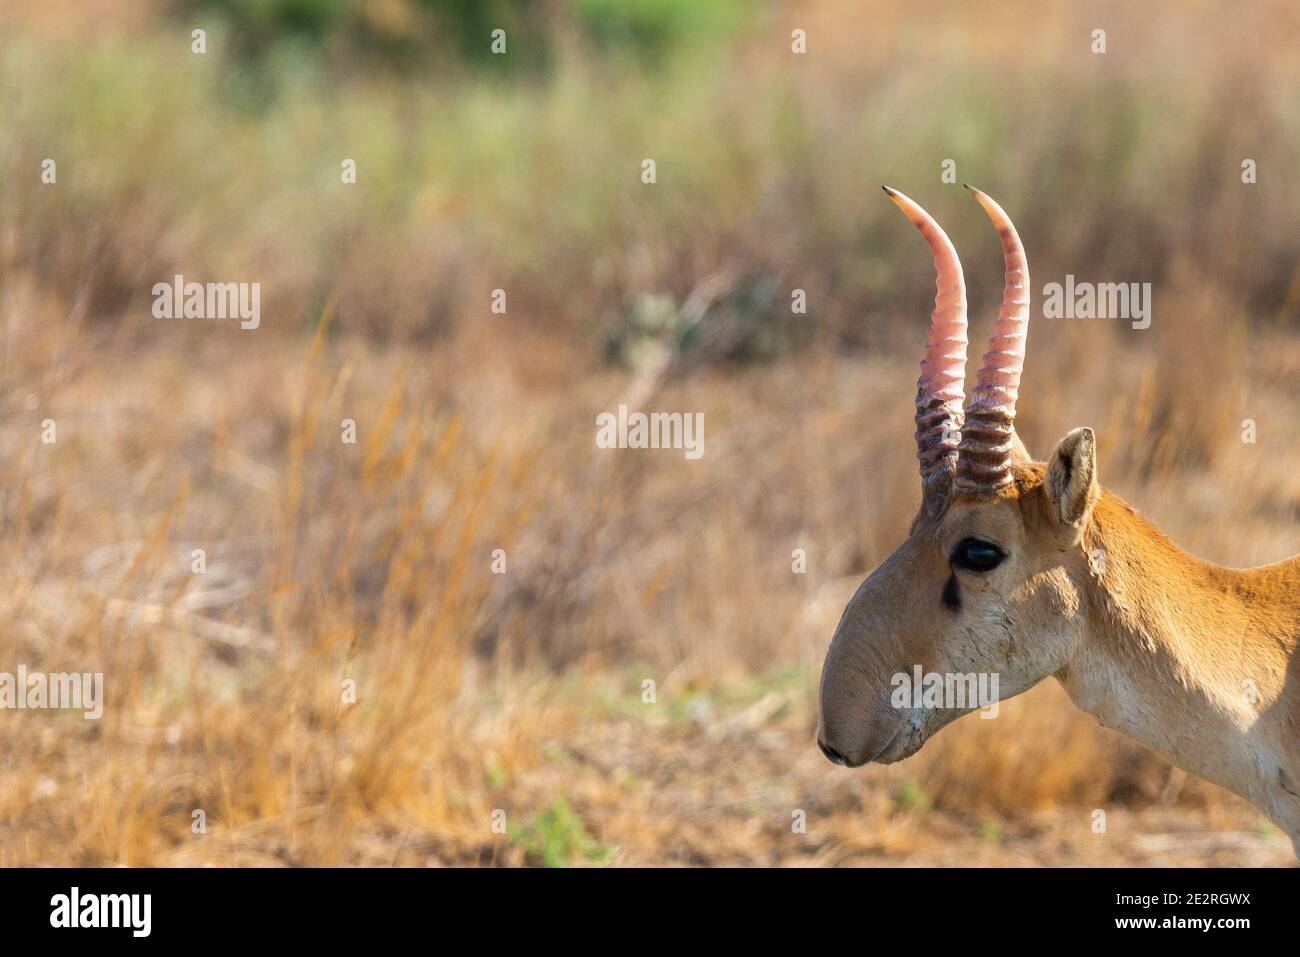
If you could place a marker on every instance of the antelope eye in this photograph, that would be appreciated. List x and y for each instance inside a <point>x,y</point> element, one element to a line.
<point>977,555</point>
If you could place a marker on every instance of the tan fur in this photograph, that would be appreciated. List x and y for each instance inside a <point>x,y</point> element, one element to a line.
<point>1196,661</point>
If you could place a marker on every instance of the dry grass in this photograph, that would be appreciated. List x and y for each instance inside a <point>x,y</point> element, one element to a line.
<point>476,691</point>
<point>329,563</point>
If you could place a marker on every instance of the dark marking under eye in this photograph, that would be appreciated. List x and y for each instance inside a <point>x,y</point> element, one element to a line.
<point>951,593</point>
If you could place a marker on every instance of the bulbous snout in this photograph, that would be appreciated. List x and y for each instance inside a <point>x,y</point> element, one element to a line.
<point>860,758</point>
<point>857,723</point>
<point>853,747</point>
<point>833,756</point>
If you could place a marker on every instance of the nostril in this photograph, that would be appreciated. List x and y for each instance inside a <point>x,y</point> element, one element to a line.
<point>831,754</point>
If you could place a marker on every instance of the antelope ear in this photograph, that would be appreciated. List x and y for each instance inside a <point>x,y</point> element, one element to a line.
<point>1072,477</point>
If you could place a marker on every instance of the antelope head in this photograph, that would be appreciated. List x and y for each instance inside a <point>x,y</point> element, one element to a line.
<point>990,581</point>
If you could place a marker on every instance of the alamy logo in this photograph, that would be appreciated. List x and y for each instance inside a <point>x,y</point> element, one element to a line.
<point>134,911</point>
<point>933,689</point>
<point>1102,300</point>
<point>214,300</point>
<point>651,430</point>
<point>36,690</point>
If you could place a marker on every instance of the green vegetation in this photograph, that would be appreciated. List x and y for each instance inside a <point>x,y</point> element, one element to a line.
<point>911,797</point>
<point>468,180</point>
<point>556,837</point>
<point>410,35</point>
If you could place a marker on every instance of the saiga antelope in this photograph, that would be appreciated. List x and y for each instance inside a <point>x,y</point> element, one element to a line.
<point>1024,569</point>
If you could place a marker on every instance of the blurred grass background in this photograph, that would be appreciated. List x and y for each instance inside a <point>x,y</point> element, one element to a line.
<point>522,692</point>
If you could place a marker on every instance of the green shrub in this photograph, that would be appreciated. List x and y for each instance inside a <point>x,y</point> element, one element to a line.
<point>556,837</point>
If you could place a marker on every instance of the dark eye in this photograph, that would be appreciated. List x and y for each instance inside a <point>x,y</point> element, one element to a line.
<point>977,555</point>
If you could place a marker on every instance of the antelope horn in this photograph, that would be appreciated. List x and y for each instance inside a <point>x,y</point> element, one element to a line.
<point>943,369</point>
<point>987,438</point>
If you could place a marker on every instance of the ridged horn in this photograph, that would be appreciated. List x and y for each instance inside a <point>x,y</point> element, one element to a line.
<point>939,390</point>
<point>985,455</point>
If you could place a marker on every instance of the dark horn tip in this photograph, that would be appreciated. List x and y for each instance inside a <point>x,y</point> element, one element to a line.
<point>889,191</point>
